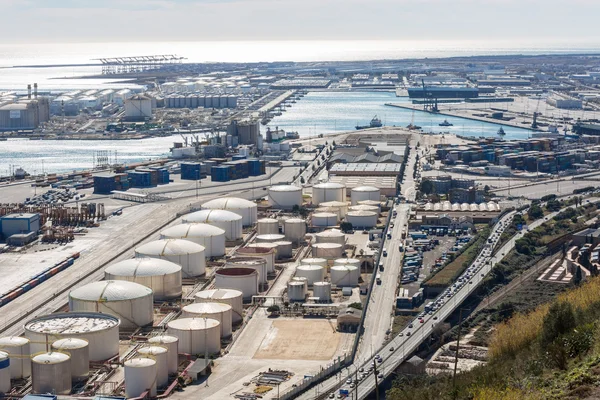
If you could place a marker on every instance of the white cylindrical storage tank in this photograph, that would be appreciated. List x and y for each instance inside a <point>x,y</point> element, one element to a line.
<point>162,276</point>
<point>324,219</point>
<point>362,219</point>
<point>344,275</point>
<point>297,290</point>
<point>464,207</point>
<point>455,207</point>
<point>284,248</point>
<point>4,373</point>
<point>243,279</point>
<point>232,297</point>
<point>51,373</point>
<point>327,250</point>
<point>483,207</point>
<point>17,348</point>
<point>364,207</point>
<point>229,221</point>
<point>257,263</point>
<point>322,290</point>
<point>272,246</point>
<point>285,196</point>
<point>266,253</point>
<point>219,311</point>
<point>196,335</point>
<point>473,207</point>
<point>270,238</point>
<point>331,236</point>
<point>340,207</point>
<point>247,209</point>
<point>209,236</point>
<point>294,229</point>
<point>329,210</point>
<point>79,351</point>
<point>328,192</point>
<point>159,354</point>
<point>268,226</point>
<point>100,330</point>
<point>355,262</point>
<point>140,376</point>
<point>314,261</point>
<point>362,193</point>
<point>182,252</point>
<point>370,203</point>
<point>312,273</point>
<point>171,343</point>
<point>131,302</point>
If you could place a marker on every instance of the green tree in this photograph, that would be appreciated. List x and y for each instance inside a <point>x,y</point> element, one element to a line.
<point>357,306</point>
<point>578,276</point>
<point>553,205</point>
<point>535,212</point>
<point>302,180</point>
<point>426,187</point>
<point>559,320</point>
<point>346,227</point>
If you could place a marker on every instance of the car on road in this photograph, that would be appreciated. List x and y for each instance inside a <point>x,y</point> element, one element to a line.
<point>392,348</point>
<point>352,386</point>
<point>384,252</point>
<point>331,396</point>
<point>349,381</point>
<point>407,333</point>
<point>410,326</point>
<point>380,376</point>
<point>435,317</point>
<point>361,369</point>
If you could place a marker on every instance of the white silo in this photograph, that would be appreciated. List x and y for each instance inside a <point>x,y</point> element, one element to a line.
<point>314,261</point>
<point>327,250</point>
<point>51,373</point>
<point>284,249</point>
<point>297,290</point>
<point>312,273</point>
<point>344,275</point>
<point>362,219</point>
<point>324,219</point>
<point>232,297</point>
<point>355,262</point>
<point>328,192</point>
<point>272,246</point>
<point>322,290</point>
<point>361,193</point>
<point>229,221</point>
<point>257,263</point>
<point>364,207</point>
<point>19,353</point>
<point>140,376</point>
<point>247,209</point>
<point>243,279</point>
<point>182,252</point>
<point>331,236</point>
<point>4,373</point>
<point>162,276</point>
<point>131,302</point>
<point>100,330</point>
<point>267,226</point>
<point>285,196</point>
<point>171,343</point>
<point>294,229</point>
<point>266,253</point>
<point>159,354</point>
<point>209,236</point>
<point>196,335</point>
<point>219,311</point>
<point>79,351</point>
<point>339,207</point>
<point>270,238</point>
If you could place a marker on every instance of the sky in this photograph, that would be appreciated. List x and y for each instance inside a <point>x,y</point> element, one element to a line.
<point>40,21</point>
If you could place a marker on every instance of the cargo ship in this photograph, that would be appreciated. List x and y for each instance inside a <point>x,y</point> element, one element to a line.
<point>375,123</point>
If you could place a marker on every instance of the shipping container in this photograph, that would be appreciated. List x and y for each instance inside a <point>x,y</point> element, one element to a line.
<point>220,174</point>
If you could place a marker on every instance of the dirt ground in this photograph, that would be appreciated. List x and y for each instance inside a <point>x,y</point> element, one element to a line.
<point>299,340</point>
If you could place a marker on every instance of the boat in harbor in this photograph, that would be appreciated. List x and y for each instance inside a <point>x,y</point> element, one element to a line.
<point>446,123</point>
<point>375,123</point>
<point>501,132</point>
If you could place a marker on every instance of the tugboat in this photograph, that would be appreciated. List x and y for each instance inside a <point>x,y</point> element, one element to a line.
<point>501,132</point>
<point>446,123</point>
<point>375,123</point>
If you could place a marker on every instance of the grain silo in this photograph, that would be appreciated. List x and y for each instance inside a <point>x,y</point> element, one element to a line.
<point>51,373</point>
<point>182,252</point>
<point>196,335</point>
<point>331,236</point>
<point>159,354</point>
<point>229,221</point>
<point>171,343</point>
<point>297,290</point>
<point>285,196</point>
<point>219,311</point>
<point>362,219</point>
<point>344,275</point>
<point>100,330</point>
<point>266,253</point>
<point>268,226</point>
<point>322,290</point>
<point>247,209</point>
<point>294,229</point>
<point>4,373</point>
<point>209,236</point>
<point>131,302</point>
<point>329,191</point>
<point>324,219</point>
<point>79,351</point>
<point>257,263</point>
<point>162,276</point>
<point>361,193</point>
<point>243,279</point>
<point>140,376</point>
<point>312,273</point>
<point>314,261</point>
<point>19,353</point>
<point>232,297</point>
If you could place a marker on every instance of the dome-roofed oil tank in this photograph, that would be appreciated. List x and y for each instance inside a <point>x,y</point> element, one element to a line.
<point>247,209</point>
<point>79,351</point>
<point>285,196</point>
<point>209,236</point>
<point>229,221</point>
<point>19,353</point>
<point>162,276</point>
<point>51,373</point>
<point>231,297</point>
<point>182,252</point>
<point>196,335</point>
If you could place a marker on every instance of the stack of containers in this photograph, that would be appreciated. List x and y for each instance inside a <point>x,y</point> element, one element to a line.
<point>191,171</point>
<point>139,179</point>
<point>256,167</point>
<point>220,173</point>
<point>106,183</point>
<point>153,175</point>
<point>238,169</point>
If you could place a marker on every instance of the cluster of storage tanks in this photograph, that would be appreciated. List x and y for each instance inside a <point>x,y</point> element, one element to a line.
<point>201,101</point>
<point>447,206</point>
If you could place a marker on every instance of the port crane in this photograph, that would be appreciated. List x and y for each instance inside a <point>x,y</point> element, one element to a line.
<point>431,105</point>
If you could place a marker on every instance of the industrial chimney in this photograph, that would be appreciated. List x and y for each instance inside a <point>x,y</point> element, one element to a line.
<point>29,91</point>
<point>35,90</point>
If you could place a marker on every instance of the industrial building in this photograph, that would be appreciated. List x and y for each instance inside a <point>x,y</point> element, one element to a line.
<point>15,224</point>
<point>24,115</point>
<point>246,132</point>
<point>138,108</point>
<point>442,92</point>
